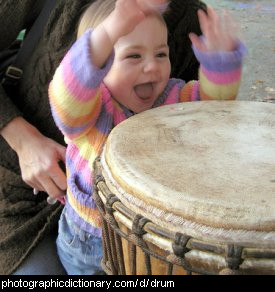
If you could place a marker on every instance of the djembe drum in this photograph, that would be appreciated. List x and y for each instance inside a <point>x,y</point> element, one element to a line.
<point>190,188</point>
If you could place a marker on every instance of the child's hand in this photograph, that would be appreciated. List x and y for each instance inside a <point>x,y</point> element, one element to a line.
<point>219,34</point>
<point>147,6</point>
<point>128,14</point>
<point>125,17</point>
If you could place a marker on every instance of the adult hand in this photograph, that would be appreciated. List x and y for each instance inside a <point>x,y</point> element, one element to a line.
<point>38,157</point>
<point>219,33</point>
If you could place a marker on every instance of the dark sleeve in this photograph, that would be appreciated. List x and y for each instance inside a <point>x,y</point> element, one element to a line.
<point>14,16</point>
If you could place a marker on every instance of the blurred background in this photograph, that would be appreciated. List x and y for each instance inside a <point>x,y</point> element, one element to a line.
<point>257,24</point>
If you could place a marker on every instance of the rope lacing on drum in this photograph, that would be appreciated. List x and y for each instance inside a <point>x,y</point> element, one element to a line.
<point>234,256</point>
<point>180,249</point>
<point>136,237</point>
<point>111,199</point>
<point>179,245</point>
<point>98,179</point>
<point>138,225</point>
<point>233,259</point>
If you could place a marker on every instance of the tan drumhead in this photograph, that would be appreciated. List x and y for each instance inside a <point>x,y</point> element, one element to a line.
<point>202,168</point>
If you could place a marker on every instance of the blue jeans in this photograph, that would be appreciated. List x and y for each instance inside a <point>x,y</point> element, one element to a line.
<point>80,252</point>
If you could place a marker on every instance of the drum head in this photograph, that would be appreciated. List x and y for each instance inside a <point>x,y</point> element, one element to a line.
<point>206,169</point>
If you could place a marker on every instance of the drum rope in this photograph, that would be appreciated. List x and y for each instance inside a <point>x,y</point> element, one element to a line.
<point>137,238</point>
<point>234,256</point>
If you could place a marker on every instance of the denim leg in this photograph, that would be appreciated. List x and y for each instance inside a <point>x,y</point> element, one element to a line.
<point>80,252</point>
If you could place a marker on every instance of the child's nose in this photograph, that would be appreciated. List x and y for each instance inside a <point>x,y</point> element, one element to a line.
<point>150,66</point>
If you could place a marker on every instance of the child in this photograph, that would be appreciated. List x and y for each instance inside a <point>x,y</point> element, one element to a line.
<point>119,68</point>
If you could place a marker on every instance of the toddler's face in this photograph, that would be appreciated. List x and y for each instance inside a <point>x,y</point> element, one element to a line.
<point>141,67</point>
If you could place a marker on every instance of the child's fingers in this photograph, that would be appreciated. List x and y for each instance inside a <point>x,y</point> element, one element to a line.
<point>204,24</point>
<point>219,33</point>
<point>197,42</point>
<point>159,5</point>
<point>157,2</point>
<point>231,31</point>
<point>213,16</point>
<point>214,23</point>
<point>128,5</point>
<point>207,28</point>
<point>127,15</point>
<point>147,6</point>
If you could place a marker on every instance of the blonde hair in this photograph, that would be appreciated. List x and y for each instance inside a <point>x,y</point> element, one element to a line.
<point>96,12</point>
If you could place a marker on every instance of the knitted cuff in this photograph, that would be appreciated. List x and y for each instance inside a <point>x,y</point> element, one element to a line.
<point>222,61</point>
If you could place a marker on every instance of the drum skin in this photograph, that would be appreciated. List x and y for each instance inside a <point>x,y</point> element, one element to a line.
<point>202,169</point>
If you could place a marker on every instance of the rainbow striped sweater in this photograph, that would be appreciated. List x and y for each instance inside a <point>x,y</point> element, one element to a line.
<point>85,112</point>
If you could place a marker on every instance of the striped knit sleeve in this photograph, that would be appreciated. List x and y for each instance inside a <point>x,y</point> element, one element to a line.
<point>75,91</point>
<point>219,76</point>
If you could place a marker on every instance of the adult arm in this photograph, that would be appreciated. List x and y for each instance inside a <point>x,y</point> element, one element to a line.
<point>38,155</point>
<point>14,17</point>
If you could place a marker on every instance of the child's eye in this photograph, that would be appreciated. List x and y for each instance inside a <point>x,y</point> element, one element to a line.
<point>133,56</point>
<point>161,55</point>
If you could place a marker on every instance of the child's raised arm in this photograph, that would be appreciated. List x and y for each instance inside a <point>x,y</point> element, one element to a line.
<point>220,54</point>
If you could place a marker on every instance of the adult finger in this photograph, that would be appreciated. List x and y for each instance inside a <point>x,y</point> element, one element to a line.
<point>32,181</point>
<point>37,187</point>
<point>62,152</point>
<point>52,189</point>
<point>59,178</point>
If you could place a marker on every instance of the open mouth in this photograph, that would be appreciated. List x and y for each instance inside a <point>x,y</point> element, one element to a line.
<point>144,91</point>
